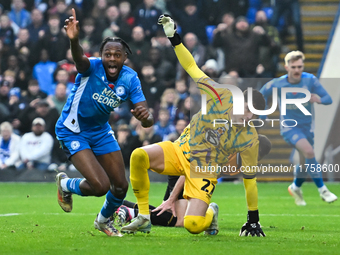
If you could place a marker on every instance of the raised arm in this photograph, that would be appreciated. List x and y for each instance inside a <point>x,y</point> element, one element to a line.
<point>184,56</point>
<point>72,30</point>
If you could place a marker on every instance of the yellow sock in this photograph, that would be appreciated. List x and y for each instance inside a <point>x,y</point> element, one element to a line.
<point>197,224</point>
<point>251,193</point>
<point>139,165</point>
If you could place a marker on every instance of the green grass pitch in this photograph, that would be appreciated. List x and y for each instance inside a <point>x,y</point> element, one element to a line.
<point>31,222</point>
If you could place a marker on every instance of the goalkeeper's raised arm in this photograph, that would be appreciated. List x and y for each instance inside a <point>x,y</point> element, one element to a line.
<point>184,56</point>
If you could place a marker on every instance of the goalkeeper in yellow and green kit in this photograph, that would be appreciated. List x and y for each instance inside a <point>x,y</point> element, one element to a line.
<point>202,144</point>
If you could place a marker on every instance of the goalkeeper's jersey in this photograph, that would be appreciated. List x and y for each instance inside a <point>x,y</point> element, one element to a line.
<point>206,144</point>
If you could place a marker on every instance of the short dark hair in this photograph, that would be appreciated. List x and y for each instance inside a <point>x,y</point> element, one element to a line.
<point>265,146</point>
<point>259,102</point>
<point>115,39</point>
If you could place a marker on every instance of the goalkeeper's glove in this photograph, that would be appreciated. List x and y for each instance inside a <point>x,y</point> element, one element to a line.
<point>168,24</point>
<point>252,226</point>
<point>169,28</point>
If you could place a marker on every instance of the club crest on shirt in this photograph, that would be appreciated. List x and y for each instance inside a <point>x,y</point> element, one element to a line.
<point>120,90</point>
<point>211,137</point>
<point>75,145</point>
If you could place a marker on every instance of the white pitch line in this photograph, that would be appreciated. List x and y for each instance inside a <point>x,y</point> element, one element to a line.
<point>9,214</point>
<point>224,214</point>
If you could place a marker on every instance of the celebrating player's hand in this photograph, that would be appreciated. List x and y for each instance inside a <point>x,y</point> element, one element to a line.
<point>166,205</point>
<point>72,26</point>
<point>252,229</point>
<point>142,114</point>
<point>168,24</point>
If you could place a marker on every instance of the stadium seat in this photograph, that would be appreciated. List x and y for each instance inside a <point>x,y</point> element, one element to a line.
<point>209,30</point>
<point>257,4</point>
<point>251,15</point>
<point>179,29</point>
<point>269,12</point>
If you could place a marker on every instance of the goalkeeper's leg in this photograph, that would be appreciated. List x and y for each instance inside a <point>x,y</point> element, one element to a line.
<point>199,216</point>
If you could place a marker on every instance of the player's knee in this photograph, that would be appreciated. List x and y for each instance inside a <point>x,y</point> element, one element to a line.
<point>194,224</point>
<point>120,190</point>
<point>139,155</point>
<point>100,188</point>
<point>309,153</point>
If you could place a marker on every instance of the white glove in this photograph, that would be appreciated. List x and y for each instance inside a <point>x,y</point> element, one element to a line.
<point>168,24</point>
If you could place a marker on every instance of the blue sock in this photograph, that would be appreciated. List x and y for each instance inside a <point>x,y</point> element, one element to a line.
<point>299,181</point>
<point>73,185</point>
<point>316,176</point>
<point>111,204</point>
<point>300,176</point>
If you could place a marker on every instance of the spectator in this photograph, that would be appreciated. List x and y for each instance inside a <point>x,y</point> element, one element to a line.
<point>34,92</point>
<point>181,89</point>
<point>139,47</point>
<point>213,10</point>
<point>41,5</point>
<point>211,68</point>
<point>164,70</point>
<point>4,92</point>
<point>190,20</point>
<point>179,128</point>
<point>9,76</point>
<point>54,40</point>
<point>38,27</point>
<point>15,105</point>
<point>163,127</point>
<point>146,15</point>
<point>162,42</point>
<point>4,100</point>
<point>152,87</point>
<point>184,110</point>
<point>169,101</point>
<point>197,50</point>
<point>147,135</point>
<point>281,6</point>
<point>59,97</point>
<point>68,65</point>
<point>226,25</point>
<point>6,32</point>
<point>19,15</point>
<point>116,26</point>
<point>38,108</point>
<point>98,11</point>
<point>231,78</point>
<point>36,147</point>
<point>125,13</point>
<point>61,8</point>
<point>237,7</point>
<point>43,72</point>
<point>89,34</point>
<point>127,142</point>
<point>269,55</point>
<point>20,70</point>
<point>62,76</point>
<point>9,146</point>
<point>241,47</point>
<point>23,40</point>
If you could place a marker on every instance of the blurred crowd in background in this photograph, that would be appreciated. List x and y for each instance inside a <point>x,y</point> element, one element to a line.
<point>231,40</point>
